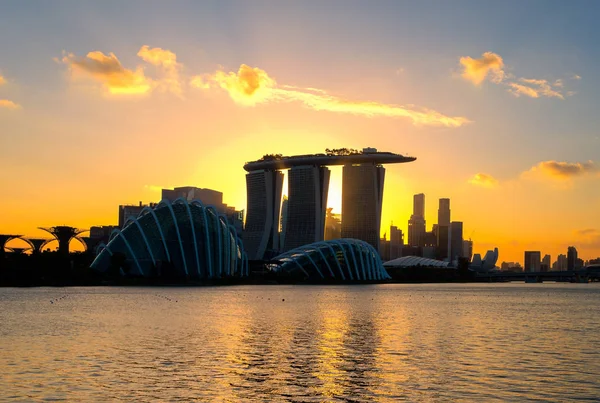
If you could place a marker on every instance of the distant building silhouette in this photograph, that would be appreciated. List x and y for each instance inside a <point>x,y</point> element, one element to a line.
<point>456,240</point>
<point>561,263</point>
<point>444,212</point>
<point>443,229</point>
<point>468,249</point>
<point>208,197</point>
<point>131,211</point>
<point>545,266</point>
<point>307,202</point>
<point>571,258</point>
<point>416,224</point>
<point>532,261</point>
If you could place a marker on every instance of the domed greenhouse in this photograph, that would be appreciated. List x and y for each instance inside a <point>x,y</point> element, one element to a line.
<point>179,239</point>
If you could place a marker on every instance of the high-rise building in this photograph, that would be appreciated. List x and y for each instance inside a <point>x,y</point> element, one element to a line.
<point>416,224</point>
<point>307,202</point>
<point>456,240</point>
<point>546,265</point>
<point>362,199</point>
<point>444,213</point>
<point>571,258</point>
<point>396,242</point>
<point>419,205</point>
<point>130,211</point>
<point>443,229</point>
<point>261,232</point>
<point>468,249</point>
<point>208,197</point>
<point>560,264</point>
<point>532,261</point>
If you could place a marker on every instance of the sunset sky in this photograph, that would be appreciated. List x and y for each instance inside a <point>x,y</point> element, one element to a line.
<point>105,103</point>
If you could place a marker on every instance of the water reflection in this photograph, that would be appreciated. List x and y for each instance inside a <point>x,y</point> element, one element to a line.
<point>302,344</point>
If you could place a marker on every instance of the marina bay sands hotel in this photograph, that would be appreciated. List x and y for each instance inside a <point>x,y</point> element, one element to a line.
<point>308,184</point>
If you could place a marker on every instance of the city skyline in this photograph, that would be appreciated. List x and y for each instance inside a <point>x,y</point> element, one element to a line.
<point>507,132</point>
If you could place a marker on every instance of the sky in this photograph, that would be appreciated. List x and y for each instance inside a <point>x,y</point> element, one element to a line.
<point>105,103</point>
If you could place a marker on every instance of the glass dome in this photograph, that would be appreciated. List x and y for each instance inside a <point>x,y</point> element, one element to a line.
<point>339,259</point>
<point>175,240</point>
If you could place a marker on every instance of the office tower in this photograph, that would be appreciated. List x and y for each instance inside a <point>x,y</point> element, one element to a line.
<point>396,242</point>
<point>362,198</point>
<point>571,258</point>
<point>456,240</point>
<point>307,203</point>
<point>443,234</point>
<point>419,205</point>
<point>468,249</point>
<point>532,261</point>
<point>261,232</point>
<point>130,211</point>
<point>546,266</point>
<point>444,213</point>
<point>208,197</point>
<point>416,224</point>
<point>561,263</point>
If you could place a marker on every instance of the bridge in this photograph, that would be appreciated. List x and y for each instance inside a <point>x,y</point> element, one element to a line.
<point>584,275</point>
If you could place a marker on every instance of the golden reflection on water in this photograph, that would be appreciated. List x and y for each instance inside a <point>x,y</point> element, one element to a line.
<point>302,344</point>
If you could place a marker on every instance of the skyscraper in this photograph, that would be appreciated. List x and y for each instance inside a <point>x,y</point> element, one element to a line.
<point>571,258</point>
<point>443,229</point>
<point>444,213</point>
<point>416,224</point>
<point>307,202</point>
<point>261,232</point>
<point>532,261</point>
<point>362,198</point>
<point>396,242</point>
<point>546,265</point>
<point>456,240</point>
<point>468,249</point>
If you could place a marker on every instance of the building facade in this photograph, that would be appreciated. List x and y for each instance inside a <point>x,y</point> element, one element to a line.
<point>261,232</point>
<point>532,261</point>
<point>456,240</point>
<point>306,208</point>
<point>416,224</point>
<point>362,199</point>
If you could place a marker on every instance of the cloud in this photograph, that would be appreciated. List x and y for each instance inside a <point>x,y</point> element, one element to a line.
<point>562,170</point>
<point>483,180</point>
<point>588,238</point>
<point>535,88</point>
<point>2,80</point>
<point>588,232</point>
<point>167,61</point>
<point>488,65</point>
<point>108,70</point>
<point>251,86</point>
<point>576,77</point>
<point>491,65</point>
<point>5,103</point>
